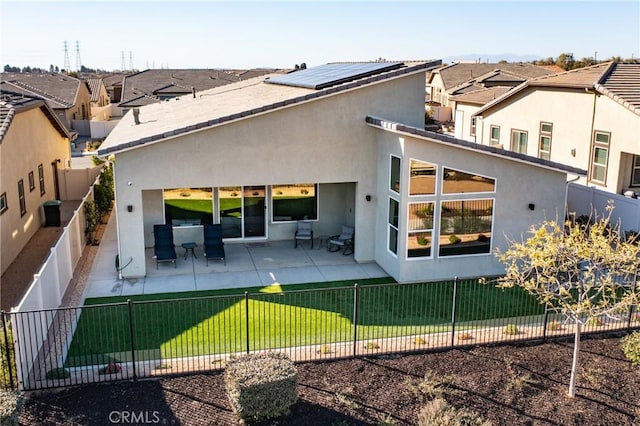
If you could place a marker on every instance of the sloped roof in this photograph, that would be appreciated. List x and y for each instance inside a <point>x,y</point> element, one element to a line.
<point>482,96</point>
<point>225,104</point>
<point>620,82</point>
<point>455,74</point>
<point>12,103</point>
<point>94,86</point>
<point>61,89</point>
<point>396,127</point>
<point>149,81</point>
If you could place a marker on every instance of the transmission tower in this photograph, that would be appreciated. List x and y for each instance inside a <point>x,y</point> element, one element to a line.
<point>67,64</point>
<point>130,61</point>
<point>123,67</point>
<point>78,60</point>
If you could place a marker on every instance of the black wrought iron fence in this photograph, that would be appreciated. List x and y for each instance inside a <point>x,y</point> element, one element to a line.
<point>133,339</point>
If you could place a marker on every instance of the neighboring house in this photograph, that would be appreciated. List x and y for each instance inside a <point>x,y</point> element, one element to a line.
<point>587,118</point>
<point>154,85</point>
<point>99,99</point>
<point>113,86</point>
<point>34,147</point>
<point>468,104</point>
<point>69,97</point>
<point>459,78</point>
<point>339,144</point>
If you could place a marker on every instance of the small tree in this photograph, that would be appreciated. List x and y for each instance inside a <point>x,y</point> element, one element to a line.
<point>581,271</point>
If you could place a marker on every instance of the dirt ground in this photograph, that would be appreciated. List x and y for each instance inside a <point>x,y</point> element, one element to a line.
<point>521,384</point>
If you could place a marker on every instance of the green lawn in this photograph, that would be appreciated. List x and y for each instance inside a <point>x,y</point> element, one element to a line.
<point>210,322</point>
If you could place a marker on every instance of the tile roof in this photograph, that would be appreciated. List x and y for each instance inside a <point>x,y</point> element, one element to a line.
<point>582,78</point>
<point>482,95</point>
<point>149,81</point>
<point>490,150</point>
<point>12,102</point>
<point>224,104</point>
<point>622,84</point>
<point>455,74</point>
<point>59,88</point>
<point>94,86</point>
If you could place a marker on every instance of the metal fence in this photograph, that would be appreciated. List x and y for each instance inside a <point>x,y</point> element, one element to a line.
<point>135,339</point>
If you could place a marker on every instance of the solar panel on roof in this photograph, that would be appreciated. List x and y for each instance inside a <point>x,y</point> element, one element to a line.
<point>328,75</point>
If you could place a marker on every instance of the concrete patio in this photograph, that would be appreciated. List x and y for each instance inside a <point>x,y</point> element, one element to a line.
<point>254,264</point>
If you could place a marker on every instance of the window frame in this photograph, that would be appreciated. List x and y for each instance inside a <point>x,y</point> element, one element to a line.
<point>316,196</point>
<point>425,230</point>
<point>595,145</point>
<point>435,177</point>
<point>493,224</point>
<point>492,140</point>
<point>526,142</point>
<point>472,130</point>
<point>446,194</point>
<point>41,179</point>
<point>21,198</point>
<point>635,166</point>
<point>3,203</point>
<point>395,227</point>
<point>545,134</point>
<point>32,183</point>
<point>399,175</point>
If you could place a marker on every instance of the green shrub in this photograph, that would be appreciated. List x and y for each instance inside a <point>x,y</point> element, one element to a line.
<point>10,405</point>
<point>511,329</point>
<point>58,373</point>
<point>261,386</point>
<point>7,367</point>
<point>438,412</point>
<point>454,239</point>
<point>631,347</point>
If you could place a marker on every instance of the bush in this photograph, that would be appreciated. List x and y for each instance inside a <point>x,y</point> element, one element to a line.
<point>58,373</point>
<point>261,386</point>
<point>7,366</point>
<point>10,405</point>
<point>511,329</point>
<point>631,347</point>
<point>438,412</point>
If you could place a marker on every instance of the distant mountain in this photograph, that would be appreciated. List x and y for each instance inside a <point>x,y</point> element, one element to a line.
<point>490,58</point>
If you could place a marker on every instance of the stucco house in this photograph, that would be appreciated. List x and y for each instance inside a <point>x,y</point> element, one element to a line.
<point>34,147</point>
<point>69,97</point>
<point>587,118</point>
<point>99,99</point>
<point>338,144</point>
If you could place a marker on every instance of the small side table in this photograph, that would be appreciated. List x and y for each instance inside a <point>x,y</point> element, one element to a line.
<point>188,248</point>
<point>323,239</point>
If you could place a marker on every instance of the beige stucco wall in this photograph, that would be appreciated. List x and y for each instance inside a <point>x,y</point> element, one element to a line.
<point>571,113</point>
<point>517,185</point>
<point>463,121</point>
<point>30,140</point>
<point>325,141</point>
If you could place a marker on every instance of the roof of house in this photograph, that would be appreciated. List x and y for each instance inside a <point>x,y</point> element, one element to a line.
<point>455,74</point>
<point>225,104</point>
<point>12,103</point>
<point>618,81</point>
<point>481,96</point>
<point>60,89</point>
<point>396,127</point>
<point>94,86</point>
<point>150,82</point>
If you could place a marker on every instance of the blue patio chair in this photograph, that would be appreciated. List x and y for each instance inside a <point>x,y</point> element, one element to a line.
<point>343,241</point>
<point>164,248</point>
<point>213,245</point>
<point>304,232</point>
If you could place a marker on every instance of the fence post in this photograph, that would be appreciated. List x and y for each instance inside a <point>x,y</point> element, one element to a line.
<point>453,310</point>
<point>631,308</point>
<point>132,336</point>
<point>246,316</point>
<point>6,349</point>
<point>544,326</point>
<point>355,320</point>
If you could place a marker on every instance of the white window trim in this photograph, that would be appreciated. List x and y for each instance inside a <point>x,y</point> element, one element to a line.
<point>493,223</point>
<point>436,212</point>
<point>457,194</point>
<point>436,187</point>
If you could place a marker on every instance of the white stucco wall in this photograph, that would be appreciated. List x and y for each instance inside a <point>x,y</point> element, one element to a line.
<point>463,121</point>
<point>571,112</point>
<point>30,140</point>
<point>325,141</point>
<point>517,185</point>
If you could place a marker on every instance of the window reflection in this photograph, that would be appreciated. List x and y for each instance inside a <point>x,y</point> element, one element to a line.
<point>459,182</point>
<point>422,178</point>
<point>465,227</point>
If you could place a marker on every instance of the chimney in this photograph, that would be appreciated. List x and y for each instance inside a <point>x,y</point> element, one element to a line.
<point>193,92</point>
<point>136,116</point>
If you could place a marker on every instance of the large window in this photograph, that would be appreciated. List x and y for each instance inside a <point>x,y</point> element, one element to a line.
<point>495,135</point>
<point>394,183</point>
<point>294,202</point>
<point>519,141</point>
<point>544,148</point>
<point>459,182</point>
<point>422,178</point>
<point>23,203</point>
<point>3,203</point>
<point>600,157</point>
<point>635,172</point>
<point>41,179</point>
<point>188,206</point>
<point>419,236</point>
<point>465,227</point>
<point>393,225</point>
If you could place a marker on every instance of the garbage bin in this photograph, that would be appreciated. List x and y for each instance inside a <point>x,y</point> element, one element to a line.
<point>52,212</point>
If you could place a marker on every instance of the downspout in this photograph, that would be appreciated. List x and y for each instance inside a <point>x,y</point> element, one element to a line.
<point>566,195</point>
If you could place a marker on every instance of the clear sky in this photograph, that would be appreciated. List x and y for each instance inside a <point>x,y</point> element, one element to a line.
<point>242,34</point>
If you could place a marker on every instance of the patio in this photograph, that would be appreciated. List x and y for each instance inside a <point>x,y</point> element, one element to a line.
<point>248,264</point>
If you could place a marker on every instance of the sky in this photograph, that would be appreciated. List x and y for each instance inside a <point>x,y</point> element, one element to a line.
<point>270,34</point>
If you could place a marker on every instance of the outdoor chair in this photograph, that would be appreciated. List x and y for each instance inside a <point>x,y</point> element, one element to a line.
<point>304,232</point>
<point>343,241</point>
<point>164,248</point>
<point>213,245</point>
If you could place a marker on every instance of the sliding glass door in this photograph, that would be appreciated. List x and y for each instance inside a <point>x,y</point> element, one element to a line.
<point>242,211</point>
